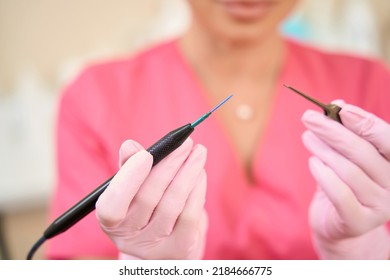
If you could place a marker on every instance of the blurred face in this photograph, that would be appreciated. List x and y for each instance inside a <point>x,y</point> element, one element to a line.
<point>240,20</point>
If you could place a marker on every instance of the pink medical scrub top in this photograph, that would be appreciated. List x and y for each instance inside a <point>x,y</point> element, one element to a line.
<point>145,96</point>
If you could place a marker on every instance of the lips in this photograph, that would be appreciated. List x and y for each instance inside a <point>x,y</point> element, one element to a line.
<point>246,9</point>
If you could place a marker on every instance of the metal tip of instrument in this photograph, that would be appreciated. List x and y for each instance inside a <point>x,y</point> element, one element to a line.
<point>318,103</point>
<point>222,102</point>
<point>202,118</point>
<point>331,110</point>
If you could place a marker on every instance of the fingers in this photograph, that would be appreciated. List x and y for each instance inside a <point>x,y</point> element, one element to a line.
<point>175,197</point>
<point>348,208</point>
<point>113,203</point>
<point>191,225</point>
<point>149,195</point>
<point>368,126</point>
<point>144,210</point>
<point>341,197</point>
<point>363,187</point>
<point>353,147</point>
<point>188,221</point>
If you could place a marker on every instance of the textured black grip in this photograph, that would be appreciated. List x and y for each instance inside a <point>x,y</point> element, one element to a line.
<point>169,143</point>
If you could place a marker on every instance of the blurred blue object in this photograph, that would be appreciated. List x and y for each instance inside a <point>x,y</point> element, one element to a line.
<point>296,27</point>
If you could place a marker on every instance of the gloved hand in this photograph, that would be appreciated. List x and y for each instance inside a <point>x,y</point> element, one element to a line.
<point>351,165</point>
<point>156,213</point>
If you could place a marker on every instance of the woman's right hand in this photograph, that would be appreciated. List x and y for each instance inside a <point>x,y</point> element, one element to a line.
<point>157,213</point>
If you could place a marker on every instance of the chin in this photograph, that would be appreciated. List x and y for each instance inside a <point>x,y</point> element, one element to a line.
<point>241,21</point>
<point>246,34</point>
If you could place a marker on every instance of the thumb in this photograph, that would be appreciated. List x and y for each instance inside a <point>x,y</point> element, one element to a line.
<point>127,149</point>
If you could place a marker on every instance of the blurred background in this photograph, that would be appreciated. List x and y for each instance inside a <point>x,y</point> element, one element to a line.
<point>45,43</point>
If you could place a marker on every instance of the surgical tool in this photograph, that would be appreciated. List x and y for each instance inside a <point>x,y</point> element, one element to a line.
<point>330,110</point>
<point>159,150</point>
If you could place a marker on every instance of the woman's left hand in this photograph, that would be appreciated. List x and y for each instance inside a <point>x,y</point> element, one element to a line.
<point>351,164</point>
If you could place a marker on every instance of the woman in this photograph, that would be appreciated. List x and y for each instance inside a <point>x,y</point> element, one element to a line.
<point>261,200</point>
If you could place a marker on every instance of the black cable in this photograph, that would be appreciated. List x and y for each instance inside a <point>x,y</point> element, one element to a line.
<point>35,247</point>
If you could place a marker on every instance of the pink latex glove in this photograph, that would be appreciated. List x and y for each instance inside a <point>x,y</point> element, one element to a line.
<point>351,166</point>
<point>156,213</point>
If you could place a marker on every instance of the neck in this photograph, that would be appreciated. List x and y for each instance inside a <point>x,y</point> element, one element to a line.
<point>228,59</point>
<point>248,69</point>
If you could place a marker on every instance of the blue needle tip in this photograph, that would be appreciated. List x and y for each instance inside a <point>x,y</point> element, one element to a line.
<point>202,118</point>
<point>220,104</point>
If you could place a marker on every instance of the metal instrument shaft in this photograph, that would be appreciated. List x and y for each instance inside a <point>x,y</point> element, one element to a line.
<point>330,110</point>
